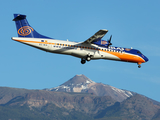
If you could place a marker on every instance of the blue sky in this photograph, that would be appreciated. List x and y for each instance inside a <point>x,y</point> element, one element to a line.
<point>131,23</point>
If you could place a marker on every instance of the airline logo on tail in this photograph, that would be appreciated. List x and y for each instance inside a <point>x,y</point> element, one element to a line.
<point>24,31</point>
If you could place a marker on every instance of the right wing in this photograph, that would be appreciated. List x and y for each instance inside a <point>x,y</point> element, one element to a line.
<point>96,37</point>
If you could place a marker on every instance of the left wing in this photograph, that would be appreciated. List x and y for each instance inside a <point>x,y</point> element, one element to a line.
<point>96,37</point>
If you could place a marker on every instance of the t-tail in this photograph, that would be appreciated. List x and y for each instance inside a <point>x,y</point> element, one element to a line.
<point>24,29</point>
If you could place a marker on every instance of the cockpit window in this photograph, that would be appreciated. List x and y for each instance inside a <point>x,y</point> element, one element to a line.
<point>139,52</point>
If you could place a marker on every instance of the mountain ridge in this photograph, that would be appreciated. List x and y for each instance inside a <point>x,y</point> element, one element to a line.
<point>78,98</point>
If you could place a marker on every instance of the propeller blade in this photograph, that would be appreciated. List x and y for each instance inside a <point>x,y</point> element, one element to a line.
<point>109,41</point>
<point>110,38</point>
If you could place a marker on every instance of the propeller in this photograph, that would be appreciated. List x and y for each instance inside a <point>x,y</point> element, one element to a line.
<point>110,41</point>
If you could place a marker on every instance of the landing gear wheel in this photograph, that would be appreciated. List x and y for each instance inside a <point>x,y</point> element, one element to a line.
<point>139,65</point>
<point>83,61</point>
<point>88,58</point>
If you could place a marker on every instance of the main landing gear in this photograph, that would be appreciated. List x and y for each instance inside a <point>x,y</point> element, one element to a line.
<point>83,60</point>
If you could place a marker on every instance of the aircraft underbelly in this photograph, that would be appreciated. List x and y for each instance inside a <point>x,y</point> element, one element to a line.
<point>104,55</point>
<point>111,57</point>
<point>60,51</point>
<point>78,52</point>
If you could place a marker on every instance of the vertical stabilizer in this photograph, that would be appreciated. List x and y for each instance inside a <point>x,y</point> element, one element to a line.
<point>24,29</point>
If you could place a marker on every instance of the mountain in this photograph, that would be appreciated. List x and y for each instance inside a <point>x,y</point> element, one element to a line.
<point>80,83</point>
<point>79,98</point>
<point>23,104</point>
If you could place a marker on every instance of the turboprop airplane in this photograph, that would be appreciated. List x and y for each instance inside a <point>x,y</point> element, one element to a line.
<point>91,49</point>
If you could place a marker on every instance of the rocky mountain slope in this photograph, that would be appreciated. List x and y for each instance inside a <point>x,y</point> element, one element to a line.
<point>38,98</point>
<point>136,107</point>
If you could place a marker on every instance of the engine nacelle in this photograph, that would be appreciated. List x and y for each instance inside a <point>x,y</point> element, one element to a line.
<point>103,43</point>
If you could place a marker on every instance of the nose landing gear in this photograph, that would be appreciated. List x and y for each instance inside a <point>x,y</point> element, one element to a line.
<point>139,65</point>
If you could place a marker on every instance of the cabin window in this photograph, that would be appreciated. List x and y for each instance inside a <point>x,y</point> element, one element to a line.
<point>42,40</point>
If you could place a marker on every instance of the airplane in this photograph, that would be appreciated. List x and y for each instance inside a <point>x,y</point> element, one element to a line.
<point>91,49</point>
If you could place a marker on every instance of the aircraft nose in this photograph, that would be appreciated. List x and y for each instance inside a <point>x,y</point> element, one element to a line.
<point>146,59</point>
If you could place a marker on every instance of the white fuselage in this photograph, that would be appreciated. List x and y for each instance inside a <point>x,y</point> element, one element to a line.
<point>77,49</point>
